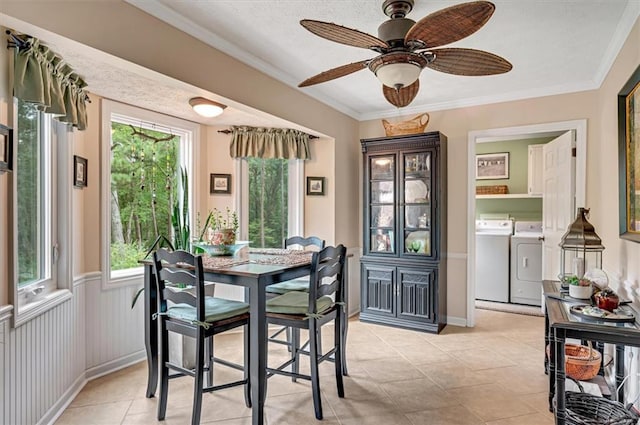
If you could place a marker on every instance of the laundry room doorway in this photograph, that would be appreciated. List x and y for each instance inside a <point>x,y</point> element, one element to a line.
<point>490,206</point>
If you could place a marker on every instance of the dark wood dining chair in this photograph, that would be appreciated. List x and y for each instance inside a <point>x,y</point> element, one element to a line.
<point>302,283</point>
<point>321,305</point>
<point>299,284</point>
<point>199,317</point>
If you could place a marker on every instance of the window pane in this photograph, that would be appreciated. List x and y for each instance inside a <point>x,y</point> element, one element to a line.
<point>143,173</point>
<point>268,202</point>
<point>30,200</point>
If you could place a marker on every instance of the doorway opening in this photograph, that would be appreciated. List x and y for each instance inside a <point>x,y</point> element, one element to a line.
<point>579,127</point>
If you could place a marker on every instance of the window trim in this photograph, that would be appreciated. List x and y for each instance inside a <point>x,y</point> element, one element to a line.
<point>58,285</point>
<point>188,152</point>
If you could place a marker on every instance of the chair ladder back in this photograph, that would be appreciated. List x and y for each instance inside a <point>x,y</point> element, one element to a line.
<point>168,270</point>
<point>327,264</point>
<point>304,242</point>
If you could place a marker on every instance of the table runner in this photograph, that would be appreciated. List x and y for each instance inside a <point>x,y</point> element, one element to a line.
<point>277,251</point>
<point>289,260</point>
<point>210,262</point>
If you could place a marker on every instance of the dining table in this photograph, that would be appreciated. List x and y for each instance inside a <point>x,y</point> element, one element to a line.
<point>253,269</point>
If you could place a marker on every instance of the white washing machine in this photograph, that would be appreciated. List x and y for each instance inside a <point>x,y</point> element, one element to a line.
<point>492,259</point>
<point>526,263</point>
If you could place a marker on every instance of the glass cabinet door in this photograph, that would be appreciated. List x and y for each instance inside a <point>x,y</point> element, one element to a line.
<point>417,203</point>
<point>382,199</point>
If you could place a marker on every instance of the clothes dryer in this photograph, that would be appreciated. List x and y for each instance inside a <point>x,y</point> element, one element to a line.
<point>526,263</point>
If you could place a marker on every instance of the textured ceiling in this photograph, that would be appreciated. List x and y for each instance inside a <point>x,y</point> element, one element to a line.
<point>555,46</point>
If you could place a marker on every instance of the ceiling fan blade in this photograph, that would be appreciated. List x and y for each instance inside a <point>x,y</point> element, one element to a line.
<point>451,24</point>
<point>402,97</point>
<point>334,73</point>
<point>468,62</point>
<point>343,35</point>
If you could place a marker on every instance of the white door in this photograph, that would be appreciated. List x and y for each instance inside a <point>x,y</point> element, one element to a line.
<point>558,201</point>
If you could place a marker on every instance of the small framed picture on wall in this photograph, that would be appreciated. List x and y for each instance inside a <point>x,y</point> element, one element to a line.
<point>79,171</point>
<point>220,183</point>
<point>315,186</point>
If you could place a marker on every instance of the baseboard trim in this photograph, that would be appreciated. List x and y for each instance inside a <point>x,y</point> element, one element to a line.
<point>457,321</point>
<point>63,402</point>
<point>114,365</point>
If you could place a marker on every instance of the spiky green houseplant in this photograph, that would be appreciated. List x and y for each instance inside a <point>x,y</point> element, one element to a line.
<point>180,214</point>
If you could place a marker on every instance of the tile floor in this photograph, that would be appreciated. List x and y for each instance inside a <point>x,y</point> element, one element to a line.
<point>491,374</point>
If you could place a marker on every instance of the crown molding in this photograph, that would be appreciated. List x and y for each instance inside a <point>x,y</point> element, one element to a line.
<point>628,20</point>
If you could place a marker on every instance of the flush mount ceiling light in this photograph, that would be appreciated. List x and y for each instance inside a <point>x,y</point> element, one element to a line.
<point>205,107</point>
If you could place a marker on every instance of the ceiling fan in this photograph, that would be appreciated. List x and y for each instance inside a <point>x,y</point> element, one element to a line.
<point>405,47</point>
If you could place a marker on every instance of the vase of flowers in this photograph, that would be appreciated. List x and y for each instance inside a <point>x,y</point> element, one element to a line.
<point>219,233</point>
<point>223,227</point>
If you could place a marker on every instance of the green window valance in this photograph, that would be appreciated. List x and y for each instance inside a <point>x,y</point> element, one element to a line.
<point>260,142</point>
<point>44,78</point>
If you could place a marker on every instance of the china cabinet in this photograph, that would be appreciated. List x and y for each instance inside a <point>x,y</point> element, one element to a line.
<point>403,267</point>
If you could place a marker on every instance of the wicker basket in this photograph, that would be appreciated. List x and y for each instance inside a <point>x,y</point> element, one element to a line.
<point>581,363</point>
<point>415,125</point>
<point>588,409</point>
<point>492,190</point>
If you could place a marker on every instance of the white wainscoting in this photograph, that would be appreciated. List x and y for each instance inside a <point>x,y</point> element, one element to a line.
<point>46,362</point>
<point>115,332</point>
<point>42,361</point>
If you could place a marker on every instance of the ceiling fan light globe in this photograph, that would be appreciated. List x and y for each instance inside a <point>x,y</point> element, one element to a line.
<point>398,75</point>
<point>205,107</point>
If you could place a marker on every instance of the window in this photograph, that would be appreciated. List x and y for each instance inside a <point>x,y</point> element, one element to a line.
<point>41,212</point>
<point>143,153</point>
<point>142,183</point>
<point>273,201</point>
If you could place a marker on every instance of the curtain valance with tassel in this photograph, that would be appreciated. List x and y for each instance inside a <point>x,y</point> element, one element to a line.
<point>44,78</point>
<point>258,142</point>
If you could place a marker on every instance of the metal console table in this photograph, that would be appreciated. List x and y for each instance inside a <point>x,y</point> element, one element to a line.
<point>561,324</point>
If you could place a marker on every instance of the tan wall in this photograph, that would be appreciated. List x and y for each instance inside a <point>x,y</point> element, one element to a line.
<point>319,211</point>
<point>600,110</point>
<point>114,27</point>
<point>86,201</point>
<point>456,125</point>
<point>620,256</point>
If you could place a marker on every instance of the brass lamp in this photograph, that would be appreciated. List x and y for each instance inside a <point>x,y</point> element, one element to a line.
<point>581,246</point>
